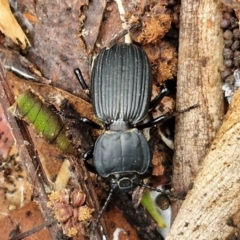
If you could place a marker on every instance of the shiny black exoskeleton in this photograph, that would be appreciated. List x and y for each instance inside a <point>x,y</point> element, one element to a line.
<point>121,85</point>
<point>121,90</point>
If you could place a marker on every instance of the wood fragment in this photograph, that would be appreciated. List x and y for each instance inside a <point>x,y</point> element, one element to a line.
<point>199,82</point>
<point>212,208</point>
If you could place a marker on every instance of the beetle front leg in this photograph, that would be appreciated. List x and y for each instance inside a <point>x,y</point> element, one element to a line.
<point>90,167</point>
<point>84,120</point>
<point>81,80</point>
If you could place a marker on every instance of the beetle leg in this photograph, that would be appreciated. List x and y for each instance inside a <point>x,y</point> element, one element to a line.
<point>90,123</point>
<point>88,154</point>
<point>165,117</point>
<point>81,80</point>
<point>83,120</point>
<point>90,167</point>
<point>104,206</point>
<point>158,98</point>
<point>155,121</point>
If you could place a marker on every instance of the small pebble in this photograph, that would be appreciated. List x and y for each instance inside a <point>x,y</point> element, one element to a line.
<point>236,33</point>
<point>228,34</point>
<point>228,63</point>
<point>225,23</point>
<point>236,61</point>
<point>228,43</point>
<point>227,72</point>
<point>235,45</point>
<point>227,53</point>
<point>229,79</point>
<point>234,22</point>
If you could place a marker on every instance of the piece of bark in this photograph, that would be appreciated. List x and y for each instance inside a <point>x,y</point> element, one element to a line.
<point>199,82</point>
<point>212,208</point>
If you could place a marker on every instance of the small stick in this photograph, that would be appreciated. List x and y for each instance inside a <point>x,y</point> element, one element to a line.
<point>124,22</point>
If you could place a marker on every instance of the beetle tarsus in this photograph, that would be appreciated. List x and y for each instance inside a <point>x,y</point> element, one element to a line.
<point>158,98</point>
<point>187,109</point>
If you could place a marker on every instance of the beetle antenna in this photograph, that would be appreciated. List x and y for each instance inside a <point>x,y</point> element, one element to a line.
<point>104,206</point>
<point>160,191</point>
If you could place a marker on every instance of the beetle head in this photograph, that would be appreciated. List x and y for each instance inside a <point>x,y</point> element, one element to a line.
<point>124,181</point>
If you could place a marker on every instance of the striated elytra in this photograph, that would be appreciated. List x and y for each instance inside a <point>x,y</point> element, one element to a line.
<point>121,85</point>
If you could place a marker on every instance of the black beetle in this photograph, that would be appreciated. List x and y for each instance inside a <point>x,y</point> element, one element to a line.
<point>121,86</point>
<point>121,90</point>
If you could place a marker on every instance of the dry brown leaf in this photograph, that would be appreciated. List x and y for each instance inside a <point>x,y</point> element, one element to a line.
<point>10,27</point>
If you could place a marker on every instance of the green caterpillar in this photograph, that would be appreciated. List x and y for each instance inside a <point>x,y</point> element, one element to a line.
<point>31,108</point>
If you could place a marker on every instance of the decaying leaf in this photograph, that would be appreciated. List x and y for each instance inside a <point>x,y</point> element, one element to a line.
<point>27,218</point>
<point>10,27</point>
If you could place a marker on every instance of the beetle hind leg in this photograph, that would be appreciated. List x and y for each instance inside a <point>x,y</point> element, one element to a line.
<point>165,117</point>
